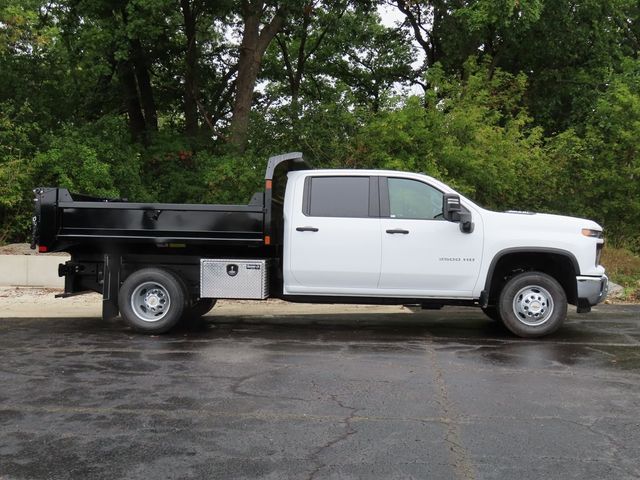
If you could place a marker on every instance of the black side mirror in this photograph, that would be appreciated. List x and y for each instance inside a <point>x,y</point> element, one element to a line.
<point>452,211</point>
<point>451,207</point>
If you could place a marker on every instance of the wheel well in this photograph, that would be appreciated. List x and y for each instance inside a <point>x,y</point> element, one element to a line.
<point>187,274</point>
<point>557,265</point>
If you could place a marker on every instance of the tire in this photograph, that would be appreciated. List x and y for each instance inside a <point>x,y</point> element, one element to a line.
<point>532,304</point>
<point>199,308</point>
<point>152,300</point>
<point>492,313</point>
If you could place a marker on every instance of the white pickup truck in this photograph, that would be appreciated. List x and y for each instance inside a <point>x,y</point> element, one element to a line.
<point>332,236</point>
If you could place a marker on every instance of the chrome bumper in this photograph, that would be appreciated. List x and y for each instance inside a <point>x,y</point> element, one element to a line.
<point>592,290</point>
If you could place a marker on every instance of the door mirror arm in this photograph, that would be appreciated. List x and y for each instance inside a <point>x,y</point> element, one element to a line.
<point>466,225</point>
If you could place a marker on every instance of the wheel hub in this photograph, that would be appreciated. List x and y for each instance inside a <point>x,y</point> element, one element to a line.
<point>533,305</point>
<point>150,301</point>
<point>154,300</point>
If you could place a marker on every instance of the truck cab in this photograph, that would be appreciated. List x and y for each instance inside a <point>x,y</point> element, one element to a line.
<point>377,233</point>
<point>386,234</point>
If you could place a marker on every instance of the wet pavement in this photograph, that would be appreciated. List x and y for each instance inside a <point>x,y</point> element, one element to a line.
<point>437,394</point>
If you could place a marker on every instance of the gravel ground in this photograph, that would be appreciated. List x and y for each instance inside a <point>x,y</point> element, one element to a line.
<point>23,249</point>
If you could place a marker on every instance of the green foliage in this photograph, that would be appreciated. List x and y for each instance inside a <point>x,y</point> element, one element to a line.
<point>478,138</point>
<point>525,104</point>
<point>403,138</point>
<point>17,136</point>
<point>231,178</point>
<point>96,159</point>
<point>602,162</point>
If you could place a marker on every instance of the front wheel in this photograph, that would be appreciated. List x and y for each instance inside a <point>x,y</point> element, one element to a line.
<point>152,300</point>
<point>532,304</point>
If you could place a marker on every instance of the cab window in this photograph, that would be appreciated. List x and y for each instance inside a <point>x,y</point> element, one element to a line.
<point>413,199</point>
<point>337,197</point>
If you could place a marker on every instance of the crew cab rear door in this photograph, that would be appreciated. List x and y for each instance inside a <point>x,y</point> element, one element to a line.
<point>423,254</point>
<point>333,233</point>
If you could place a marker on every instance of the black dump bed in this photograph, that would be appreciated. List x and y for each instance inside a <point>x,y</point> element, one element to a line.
<point>68,219</point>
<point>65,221</point>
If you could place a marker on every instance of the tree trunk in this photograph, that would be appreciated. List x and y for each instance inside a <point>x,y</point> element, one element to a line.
<point>145,89</point>
<point>190,72</point>
<point>137,125</point>
<point>252,49</point>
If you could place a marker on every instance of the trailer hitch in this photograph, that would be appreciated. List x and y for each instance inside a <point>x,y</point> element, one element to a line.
<point>69,268</point>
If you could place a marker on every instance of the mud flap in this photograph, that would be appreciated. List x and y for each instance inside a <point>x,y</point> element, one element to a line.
<point>111,286</point>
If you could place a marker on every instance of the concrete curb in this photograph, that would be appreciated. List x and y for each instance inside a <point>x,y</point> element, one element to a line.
<point>31,271</point>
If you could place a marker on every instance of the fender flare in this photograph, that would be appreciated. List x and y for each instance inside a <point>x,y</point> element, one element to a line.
<point>484,296</point>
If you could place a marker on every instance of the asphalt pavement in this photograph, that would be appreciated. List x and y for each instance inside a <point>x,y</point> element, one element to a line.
<point>432,395</point>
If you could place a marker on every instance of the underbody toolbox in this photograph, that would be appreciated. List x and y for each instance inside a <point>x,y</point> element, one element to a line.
<point>224,278</point>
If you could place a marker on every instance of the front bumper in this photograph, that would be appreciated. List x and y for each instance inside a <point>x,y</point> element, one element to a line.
<point>591,291</point>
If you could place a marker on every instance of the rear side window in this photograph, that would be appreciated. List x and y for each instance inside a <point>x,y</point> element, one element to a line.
<point>337,197</point>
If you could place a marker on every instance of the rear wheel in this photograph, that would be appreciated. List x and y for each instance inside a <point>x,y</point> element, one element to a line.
<point>152,300</point>
<point>532,304</point>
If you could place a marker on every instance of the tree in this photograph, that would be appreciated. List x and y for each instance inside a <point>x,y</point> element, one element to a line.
<point>261,23</point>
<point>301,40</point>
<point>369,58</point>
<point>198,16</point>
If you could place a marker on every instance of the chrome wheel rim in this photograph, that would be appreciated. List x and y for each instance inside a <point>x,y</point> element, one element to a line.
<point>150,301</point>
<point>533,305</point>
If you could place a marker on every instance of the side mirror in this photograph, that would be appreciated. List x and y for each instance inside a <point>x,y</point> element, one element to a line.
<point>451,207</point>
<point>452,211</point>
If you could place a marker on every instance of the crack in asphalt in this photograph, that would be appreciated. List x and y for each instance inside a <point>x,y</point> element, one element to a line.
<point>617,448</point>
<point>235,387</point>
<point>460,459</point>
<point>348,431</point>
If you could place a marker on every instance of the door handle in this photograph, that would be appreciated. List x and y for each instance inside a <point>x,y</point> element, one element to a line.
<point>398,230</point>
<point>306,229</point>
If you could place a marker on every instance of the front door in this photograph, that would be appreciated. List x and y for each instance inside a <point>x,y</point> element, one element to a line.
<point>334,239</point>
<point>423,254</point>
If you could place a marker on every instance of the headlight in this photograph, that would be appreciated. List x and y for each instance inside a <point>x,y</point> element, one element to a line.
<point>588,232</point>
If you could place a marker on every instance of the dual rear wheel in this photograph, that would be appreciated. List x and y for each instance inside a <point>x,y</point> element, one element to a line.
<point>154,300</point>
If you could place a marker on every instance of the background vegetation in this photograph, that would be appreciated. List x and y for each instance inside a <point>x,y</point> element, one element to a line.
<point>520,104</point>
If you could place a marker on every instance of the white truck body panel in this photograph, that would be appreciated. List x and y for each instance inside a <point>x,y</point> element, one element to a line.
<point>435,258</point>
<point>357,257</point>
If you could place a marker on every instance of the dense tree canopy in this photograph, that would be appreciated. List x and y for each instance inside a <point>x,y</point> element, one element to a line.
<point>525,104</point>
